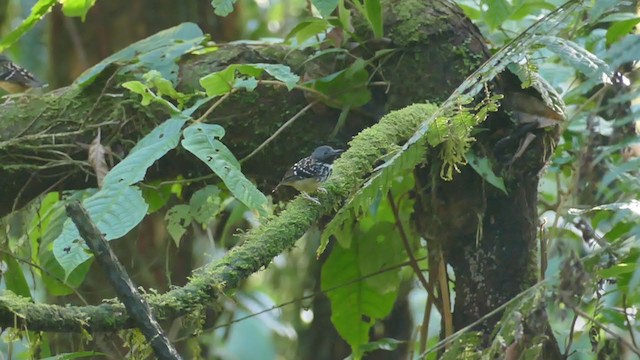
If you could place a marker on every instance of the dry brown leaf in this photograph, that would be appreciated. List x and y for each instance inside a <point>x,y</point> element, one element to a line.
<point>98,160</point>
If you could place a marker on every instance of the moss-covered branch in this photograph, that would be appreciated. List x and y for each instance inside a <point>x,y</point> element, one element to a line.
<point>436,47</point>
<point>260,246</point>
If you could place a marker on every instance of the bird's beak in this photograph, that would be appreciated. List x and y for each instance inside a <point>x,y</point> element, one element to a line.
<point>338,151</point>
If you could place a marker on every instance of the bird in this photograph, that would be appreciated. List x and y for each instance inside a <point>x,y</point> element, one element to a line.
<point>15,79</point>
<point>308,174</point>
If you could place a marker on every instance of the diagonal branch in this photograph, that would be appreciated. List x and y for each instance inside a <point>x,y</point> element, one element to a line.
<point>260,246</point>
<point>127,292</point>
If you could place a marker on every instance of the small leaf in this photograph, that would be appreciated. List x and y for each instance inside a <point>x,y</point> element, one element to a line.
<point>483,167</point>
<point>98,160</point>
<point>223,7</point>
<point>149,149</point>
<point>14,277</point>
<point>178,218</point>
<point>497,12</point>
<point>248,84</point>
<point>219,82</point>
<point>307,29</point>
<point>156,195</point>
<point>114,209</point>
<point>201,140</point>
<point>325,7</point>
<point>280,72</point>
<point>374,15</point>
<point>346,88</point>
<point>205,204</point>
<point>76,8</point>
<point>148,96</point>
<point>164,86</point>
<point>387,344</point>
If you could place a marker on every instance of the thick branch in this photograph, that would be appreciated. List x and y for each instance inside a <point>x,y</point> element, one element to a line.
<point>39,134</point>
<point>260,246</point>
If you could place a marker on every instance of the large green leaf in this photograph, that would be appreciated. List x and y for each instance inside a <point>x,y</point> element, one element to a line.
<point>355,307</point>
<point>40,9</point>
<point>159,52</point>
<point>114,209</point>
<point>149,149</point>
<point>202,141</point>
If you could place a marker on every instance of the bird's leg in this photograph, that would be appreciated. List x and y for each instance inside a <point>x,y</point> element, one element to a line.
<point>309,197</point>
<point>322,190</point>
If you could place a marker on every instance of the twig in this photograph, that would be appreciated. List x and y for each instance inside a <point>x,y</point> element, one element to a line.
<point>570,337</point>
<point>305,297</point>
<point>45,271</point>
<point>102,93</point>
<point>214,106</point>
<point>444,295</point>
<point>626,316</point>
<point>280,130</point>
<point>407,246</point>
<point>424,327</point>
<point>626,342</point>
<point>136,306</point>
<point>22,189</point>
<point>495,311</point>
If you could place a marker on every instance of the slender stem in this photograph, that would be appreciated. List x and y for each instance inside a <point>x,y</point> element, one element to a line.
<point>626,342</point>
<point>626,316</point>
<point>45,271</point>
<point>214,106</point>
<point>280,130</point>
<point>305,297</point>
<point>570,337</point>
<point>424,327</point>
